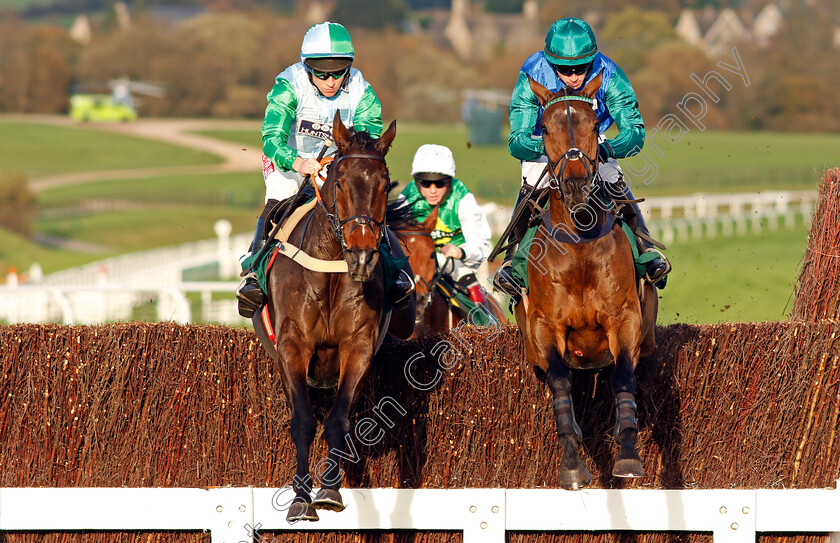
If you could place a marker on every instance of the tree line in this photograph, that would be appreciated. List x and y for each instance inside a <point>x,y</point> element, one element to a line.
<point>223,63</point>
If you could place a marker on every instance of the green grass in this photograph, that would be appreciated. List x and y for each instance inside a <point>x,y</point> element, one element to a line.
<point>153,212</point>
<point>20,253</point>
<point>228,189</point>
<point>749,278</point>
<point>39,149</point>
<point>700,162</point>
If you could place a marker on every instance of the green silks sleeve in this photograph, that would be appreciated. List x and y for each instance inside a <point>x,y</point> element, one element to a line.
<point>524,111</point>
<point>624,109</point>
<point>279,116</point>
<point>369,113</point>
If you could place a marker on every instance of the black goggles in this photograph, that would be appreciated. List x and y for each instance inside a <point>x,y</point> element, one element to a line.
<point>325,75</point>
<point>577,69</point>
<point>426,183</point>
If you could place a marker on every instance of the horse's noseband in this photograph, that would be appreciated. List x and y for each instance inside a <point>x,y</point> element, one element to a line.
<point>361,220</point>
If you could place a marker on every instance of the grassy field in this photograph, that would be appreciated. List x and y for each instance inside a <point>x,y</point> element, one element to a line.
<point>748,278</point>
<point>41,149</point>
<point>736,279</point>
<point>700,162</point>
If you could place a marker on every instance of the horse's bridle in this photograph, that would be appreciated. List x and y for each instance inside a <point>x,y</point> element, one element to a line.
<point>361,220</point>
<point>574,152</point>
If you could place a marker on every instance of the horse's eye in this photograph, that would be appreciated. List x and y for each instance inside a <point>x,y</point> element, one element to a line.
<point>544,129</point>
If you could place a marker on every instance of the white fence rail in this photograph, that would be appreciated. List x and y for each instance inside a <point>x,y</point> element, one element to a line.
<point>700,216</point>
<point>99,303</point>
<point>237,515</point>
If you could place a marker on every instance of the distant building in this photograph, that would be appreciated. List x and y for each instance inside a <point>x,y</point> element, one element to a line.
<point>317,11</point>
<point>767,24</point>
<point>717,32</point>
<point>81,32</point>
<point>123,16</point>
<point>475,34</point>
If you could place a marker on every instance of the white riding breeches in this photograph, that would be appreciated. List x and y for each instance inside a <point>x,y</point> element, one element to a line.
<point>279,184</point>
<point>610,171</point>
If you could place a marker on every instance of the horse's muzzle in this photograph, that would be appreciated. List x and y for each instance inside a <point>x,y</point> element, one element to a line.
<point>361,262</point>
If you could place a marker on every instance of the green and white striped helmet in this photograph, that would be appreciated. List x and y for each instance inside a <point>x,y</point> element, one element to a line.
<point>326,40</point>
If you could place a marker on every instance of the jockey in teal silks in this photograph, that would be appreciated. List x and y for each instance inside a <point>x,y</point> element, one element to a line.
<point>571,59</point>
<point>298,121</point>
<point>462,231</point>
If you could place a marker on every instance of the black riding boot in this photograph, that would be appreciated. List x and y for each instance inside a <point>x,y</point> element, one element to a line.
<point>658,268</point>
<point>250,295</point>
<point>503,281</point>
<point>402,288</point>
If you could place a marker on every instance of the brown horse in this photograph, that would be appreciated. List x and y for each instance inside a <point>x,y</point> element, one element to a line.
<point>328,325</point>
<point>433,315</point>
<point>584,310</point>
<point>434,309</point>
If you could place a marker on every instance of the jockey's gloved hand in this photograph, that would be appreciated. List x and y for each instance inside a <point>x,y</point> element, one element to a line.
<point>604,152</point>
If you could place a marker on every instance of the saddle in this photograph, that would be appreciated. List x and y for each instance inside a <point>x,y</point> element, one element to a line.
<point>284,208</point>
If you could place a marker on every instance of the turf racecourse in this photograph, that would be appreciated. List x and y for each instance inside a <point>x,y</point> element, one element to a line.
<point>745,278</point>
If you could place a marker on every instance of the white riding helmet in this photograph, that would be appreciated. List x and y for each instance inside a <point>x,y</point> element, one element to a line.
<point>434,159</point>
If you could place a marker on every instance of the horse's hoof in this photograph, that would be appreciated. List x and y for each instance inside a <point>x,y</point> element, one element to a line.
<point>628,467</point>
<point>328,499</point>
<point>575,479</point>
<point>301,511</point>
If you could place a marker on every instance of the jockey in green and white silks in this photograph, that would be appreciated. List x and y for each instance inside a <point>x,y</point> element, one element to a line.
<point>299,116</point>
<point>462,231</point>
<point>298,120</point>
<point>571,59</point>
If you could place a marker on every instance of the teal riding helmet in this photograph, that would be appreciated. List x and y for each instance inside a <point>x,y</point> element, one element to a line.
<point>570,42</point>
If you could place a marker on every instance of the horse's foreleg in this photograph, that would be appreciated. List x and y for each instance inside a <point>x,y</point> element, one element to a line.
<point>355,356</point>
<point>623,383</point>
<point>573,471</point>
<point>302,427</point>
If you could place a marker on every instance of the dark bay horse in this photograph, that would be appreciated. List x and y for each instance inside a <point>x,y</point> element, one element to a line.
<point>586,308</point>
<point>327,325</point>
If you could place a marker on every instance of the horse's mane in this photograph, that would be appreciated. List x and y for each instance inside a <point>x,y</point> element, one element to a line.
<point>398,217</point>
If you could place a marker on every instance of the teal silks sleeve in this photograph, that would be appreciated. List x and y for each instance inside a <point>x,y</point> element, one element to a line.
<point>524,112</point>
<point>623,106</point>
<point>279,117</point>
<point>369,114</point>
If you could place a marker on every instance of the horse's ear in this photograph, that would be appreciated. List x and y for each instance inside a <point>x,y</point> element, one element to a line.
<point>592,87</point>
<point>543,94</point>
<point>385,140</point>
<point>431,221</point>
<point>340,133</point>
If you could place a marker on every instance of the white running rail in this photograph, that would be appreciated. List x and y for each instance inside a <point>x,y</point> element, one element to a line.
<point>699,216</point>
<point>484,515</point>
<point>212,302</point>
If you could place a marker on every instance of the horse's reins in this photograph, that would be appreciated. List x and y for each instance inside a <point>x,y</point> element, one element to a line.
<point>361,220</point>
<point>439,272</point>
